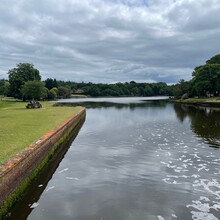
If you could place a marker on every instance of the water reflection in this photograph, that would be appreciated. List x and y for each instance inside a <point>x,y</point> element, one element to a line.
<point>132,106</point>
<point>205,122</point>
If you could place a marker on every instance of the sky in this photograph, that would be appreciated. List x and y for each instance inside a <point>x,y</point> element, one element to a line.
<point>107,41</point>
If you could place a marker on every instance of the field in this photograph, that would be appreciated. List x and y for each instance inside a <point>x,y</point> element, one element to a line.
<point>19,126</point>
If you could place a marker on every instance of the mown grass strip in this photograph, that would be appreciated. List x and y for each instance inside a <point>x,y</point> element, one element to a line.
<point>194,100</point>
<point>19,127</point>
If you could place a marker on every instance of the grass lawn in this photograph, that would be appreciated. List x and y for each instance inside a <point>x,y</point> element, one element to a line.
<point>78,96</point>
<point>19,126</point>
<point>213,99</point>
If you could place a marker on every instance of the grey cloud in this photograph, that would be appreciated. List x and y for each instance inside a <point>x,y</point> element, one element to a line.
<point>109,40</point>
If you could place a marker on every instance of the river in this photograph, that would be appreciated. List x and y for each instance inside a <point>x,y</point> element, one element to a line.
<point>134,159</point>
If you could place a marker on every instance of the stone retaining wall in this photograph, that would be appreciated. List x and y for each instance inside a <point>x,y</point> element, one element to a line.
<point>17,173</point>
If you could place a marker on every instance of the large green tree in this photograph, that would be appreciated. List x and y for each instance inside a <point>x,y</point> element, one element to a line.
<point>34,90</point>
<point>206,78</point>
<point>22,73</point>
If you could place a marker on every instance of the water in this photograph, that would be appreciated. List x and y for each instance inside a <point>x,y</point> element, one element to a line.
<point>134,160</point>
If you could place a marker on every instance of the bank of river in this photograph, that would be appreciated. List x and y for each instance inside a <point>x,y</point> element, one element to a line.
<point>209,102</point>
<point>134,160</point>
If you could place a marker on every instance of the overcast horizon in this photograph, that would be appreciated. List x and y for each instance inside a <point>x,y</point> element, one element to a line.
<point>107,41</point>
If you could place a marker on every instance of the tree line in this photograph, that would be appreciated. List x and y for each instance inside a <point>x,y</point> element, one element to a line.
<point>24,82</point>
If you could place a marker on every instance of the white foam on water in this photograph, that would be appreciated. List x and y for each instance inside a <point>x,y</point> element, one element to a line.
<point>174,216</point>
<point>64,170</point>
<point>192,167</point>
<point>49,188</point>
<point>34,205</point>
<point>216,206</point>
<point>195,156</point>
<point>184,165</point>
<point>72,178</point>
<point>69,178</point>
<point>203,206</point>
<point>208,185</point>
<point>180,170</point>
<point>187,160</point>
<point>195,175</point>
<point>166,140</point>
<point>202,216</point>
<point>218,171</point>
<point>165,144</point>
<point>169,181</point>
<point>203,198</point>
<point>201,167</point>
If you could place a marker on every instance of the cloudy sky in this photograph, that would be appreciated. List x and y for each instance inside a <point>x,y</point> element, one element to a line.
<point>109,40</point>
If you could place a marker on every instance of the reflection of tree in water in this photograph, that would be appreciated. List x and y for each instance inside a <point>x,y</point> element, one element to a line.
<point>132,106</point>
<point>205,122</point>
<point>181,111</point>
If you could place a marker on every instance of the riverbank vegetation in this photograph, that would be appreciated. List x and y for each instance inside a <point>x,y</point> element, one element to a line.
<point>20,126</point>
<point>197,100</point>
<point>25,83</point>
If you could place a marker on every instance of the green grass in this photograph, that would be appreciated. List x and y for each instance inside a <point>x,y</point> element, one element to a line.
<point>78,96</point>
<point>19,127</point>
<point>213,99</point>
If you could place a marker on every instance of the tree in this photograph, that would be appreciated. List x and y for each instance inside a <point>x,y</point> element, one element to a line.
<point>4,87</point>
<point>52,94</point>
<point>206,78</point>
<point>18,76</point>
<point>181,88</point>
<point>55,89</point>
<point>203,88</point>
<point>148,91</point>
<point>34,90</point>
<point>63,92</point>
<point>214,60</point>
<point>2,83</point>
<point>135,91</point>
<point>94,91</point>
<point>51,83</point>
